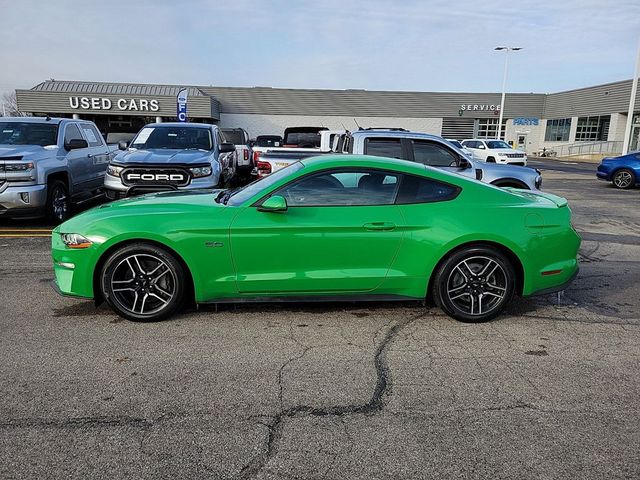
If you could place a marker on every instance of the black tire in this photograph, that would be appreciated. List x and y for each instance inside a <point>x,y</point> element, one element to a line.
<point>58,208</point>
<point>491,160</point>
<point>624,179</point>
<point>459,299</point>
<point>128,274</point>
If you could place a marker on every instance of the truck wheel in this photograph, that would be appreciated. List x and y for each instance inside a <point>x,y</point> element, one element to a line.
<point>58,204</point>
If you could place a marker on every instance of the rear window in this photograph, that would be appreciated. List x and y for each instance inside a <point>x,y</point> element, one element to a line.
<point>264,141</point>
<point>237,137</point>
<point>383,147</point>
<point>424,190</point>
<point>303,139</point>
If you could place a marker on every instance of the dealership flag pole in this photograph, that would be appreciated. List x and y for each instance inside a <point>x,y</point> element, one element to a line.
<point>504,85</point>
<point>632,104</point>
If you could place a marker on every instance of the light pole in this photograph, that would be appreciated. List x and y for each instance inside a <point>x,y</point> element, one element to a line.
<point>504,83</point>
<point>632,103</point>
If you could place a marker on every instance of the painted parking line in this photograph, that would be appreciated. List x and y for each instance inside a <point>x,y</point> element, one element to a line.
<point>24,232</point>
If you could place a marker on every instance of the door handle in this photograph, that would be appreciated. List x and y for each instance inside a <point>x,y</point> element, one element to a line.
<point>379,226</point>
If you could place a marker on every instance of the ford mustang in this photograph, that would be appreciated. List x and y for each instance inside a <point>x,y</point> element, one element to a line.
<point>326,228</point>
<point>622,171</point>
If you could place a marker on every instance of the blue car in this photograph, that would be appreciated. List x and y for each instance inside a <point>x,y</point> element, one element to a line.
<point>623,171</point>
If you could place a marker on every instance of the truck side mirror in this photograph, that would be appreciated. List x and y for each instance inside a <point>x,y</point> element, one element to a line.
<point>226,147</point>
<point>76,144</point>
<point>123,144</point>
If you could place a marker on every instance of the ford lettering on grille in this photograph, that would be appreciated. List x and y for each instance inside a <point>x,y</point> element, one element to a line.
<point>142,176</point>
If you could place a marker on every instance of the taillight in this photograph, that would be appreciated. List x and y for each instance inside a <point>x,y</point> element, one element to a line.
<point>256,154</point>
<point>264,168</point>
<point>246,154</point>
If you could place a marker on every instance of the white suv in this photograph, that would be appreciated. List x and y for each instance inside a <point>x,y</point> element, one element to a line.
<point>495,151</point>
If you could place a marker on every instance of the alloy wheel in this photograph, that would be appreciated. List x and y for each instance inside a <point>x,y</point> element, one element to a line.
<point>59,204</point>
<point>477,285</point>
<point>143,284</point>
<point>623,179</point>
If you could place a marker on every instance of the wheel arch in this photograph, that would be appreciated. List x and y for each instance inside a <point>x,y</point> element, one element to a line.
<point>97,293</point>
<point>510,182</point>
<point>508,252</point>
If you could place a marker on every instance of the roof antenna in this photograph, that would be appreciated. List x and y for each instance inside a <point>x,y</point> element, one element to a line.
<point>48,118</point>
<point>356,122</point>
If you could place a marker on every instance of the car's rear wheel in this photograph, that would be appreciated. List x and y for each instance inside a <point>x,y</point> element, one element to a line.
<point>143,282</point>
<point>58,205</point>
<point>474,284</point>
<point>623,178</point>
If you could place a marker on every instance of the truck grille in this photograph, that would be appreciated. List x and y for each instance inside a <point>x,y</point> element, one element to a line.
<point>143,176</point>
<point>515,155</point>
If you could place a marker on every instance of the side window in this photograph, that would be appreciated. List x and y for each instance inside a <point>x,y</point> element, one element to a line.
<point>469,144</point>
<point>432,154</point>
<point>383,147</point>
<point>72,132</point>
<point>415,189</point>
<point>92,135</point>
<point>342,188</point>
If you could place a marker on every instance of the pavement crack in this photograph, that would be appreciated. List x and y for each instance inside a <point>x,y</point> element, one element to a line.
<point>375,404</point>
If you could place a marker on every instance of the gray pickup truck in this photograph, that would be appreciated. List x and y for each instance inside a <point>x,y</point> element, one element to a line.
<point>171,156</point>
<point>419,147</point>
<point>46,164</point>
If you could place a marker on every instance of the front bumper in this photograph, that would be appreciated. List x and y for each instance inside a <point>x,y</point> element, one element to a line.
<point>603,173</point>
<point>22,201</point>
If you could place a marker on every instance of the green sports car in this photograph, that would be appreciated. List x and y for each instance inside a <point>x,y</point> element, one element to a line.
<point>326,228</point>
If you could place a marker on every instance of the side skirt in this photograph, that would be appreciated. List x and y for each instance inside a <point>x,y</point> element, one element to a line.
<point>315,298</point>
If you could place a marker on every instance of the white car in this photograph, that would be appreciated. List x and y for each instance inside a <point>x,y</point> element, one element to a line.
<point>456,143</point>
<point>495,151</point>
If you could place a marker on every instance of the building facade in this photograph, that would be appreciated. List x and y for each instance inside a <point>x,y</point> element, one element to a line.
<point>531,121</point>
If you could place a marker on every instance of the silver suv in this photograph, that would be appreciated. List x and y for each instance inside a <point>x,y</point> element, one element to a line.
<point>48,163</point>
<point>436,152</point>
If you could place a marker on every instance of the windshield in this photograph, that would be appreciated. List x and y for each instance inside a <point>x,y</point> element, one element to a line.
<point>263,141</point>
<point>234,136</point>
<point>180,138</point>
<point>240,196</point>
<point>25,133</point>
<point>498,144</point>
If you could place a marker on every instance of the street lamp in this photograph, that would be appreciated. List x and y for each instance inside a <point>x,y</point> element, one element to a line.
<point>504,82</point>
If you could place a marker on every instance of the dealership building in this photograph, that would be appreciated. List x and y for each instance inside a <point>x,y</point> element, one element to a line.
<point>562,121</point>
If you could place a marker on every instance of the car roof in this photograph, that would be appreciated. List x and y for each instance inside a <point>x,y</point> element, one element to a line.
<point>180,124</point>
<point>53,120</point>
<point>387,132</point>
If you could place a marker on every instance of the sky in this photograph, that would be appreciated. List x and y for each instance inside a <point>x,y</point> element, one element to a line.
<point>442,45</point>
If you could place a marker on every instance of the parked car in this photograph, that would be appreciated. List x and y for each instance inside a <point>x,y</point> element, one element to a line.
<point>403,231</point>
<point>622,171</point>
<point>495,151</point>
<point>458,145</point>
<point>243,160</point>
<point>171,156</point>
<point>49,164</point>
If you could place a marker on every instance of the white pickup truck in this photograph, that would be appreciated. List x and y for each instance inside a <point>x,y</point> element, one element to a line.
<point>298,143</point>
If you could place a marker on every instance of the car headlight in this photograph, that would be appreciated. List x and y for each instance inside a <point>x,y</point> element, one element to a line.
<point>18,167</point>
<point>198,172</point>
<point>502,154</point>
<point>114,170</point>
<point>75,240</point>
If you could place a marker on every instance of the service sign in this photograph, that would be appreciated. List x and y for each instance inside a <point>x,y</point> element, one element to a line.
<point>475,107</point>
<point>122,104</point>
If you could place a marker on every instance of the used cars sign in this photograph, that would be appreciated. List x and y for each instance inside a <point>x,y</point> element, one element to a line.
<point>101,103</point>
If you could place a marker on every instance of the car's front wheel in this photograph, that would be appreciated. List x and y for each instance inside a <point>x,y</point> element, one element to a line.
<point>474,284</point>
<point>623,178</point>
<point>143,282</point>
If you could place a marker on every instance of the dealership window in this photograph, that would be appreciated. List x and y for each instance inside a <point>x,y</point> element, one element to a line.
<point>558,130</point>
<point>488,128</point>
<point>592,129</point>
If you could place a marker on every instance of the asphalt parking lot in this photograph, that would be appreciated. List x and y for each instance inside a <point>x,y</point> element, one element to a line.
<point>347,391</point>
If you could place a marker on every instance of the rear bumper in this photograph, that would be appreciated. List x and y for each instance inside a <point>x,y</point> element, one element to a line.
<point>557,288</point>
<point>22,201</point>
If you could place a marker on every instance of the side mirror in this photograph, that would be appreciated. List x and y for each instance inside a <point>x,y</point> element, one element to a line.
<point>274,204</point>
<point>226,147</point>
<point>123,144</point>
<point>76,144</point>
<point>481,147</point>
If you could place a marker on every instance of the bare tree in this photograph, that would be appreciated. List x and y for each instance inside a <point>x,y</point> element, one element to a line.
<point>10,106</point>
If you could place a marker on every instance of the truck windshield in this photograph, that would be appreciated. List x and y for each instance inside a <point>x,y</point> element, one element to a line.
<point>498,144</point>
<point>179,138</point>
<point>26,133</point>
